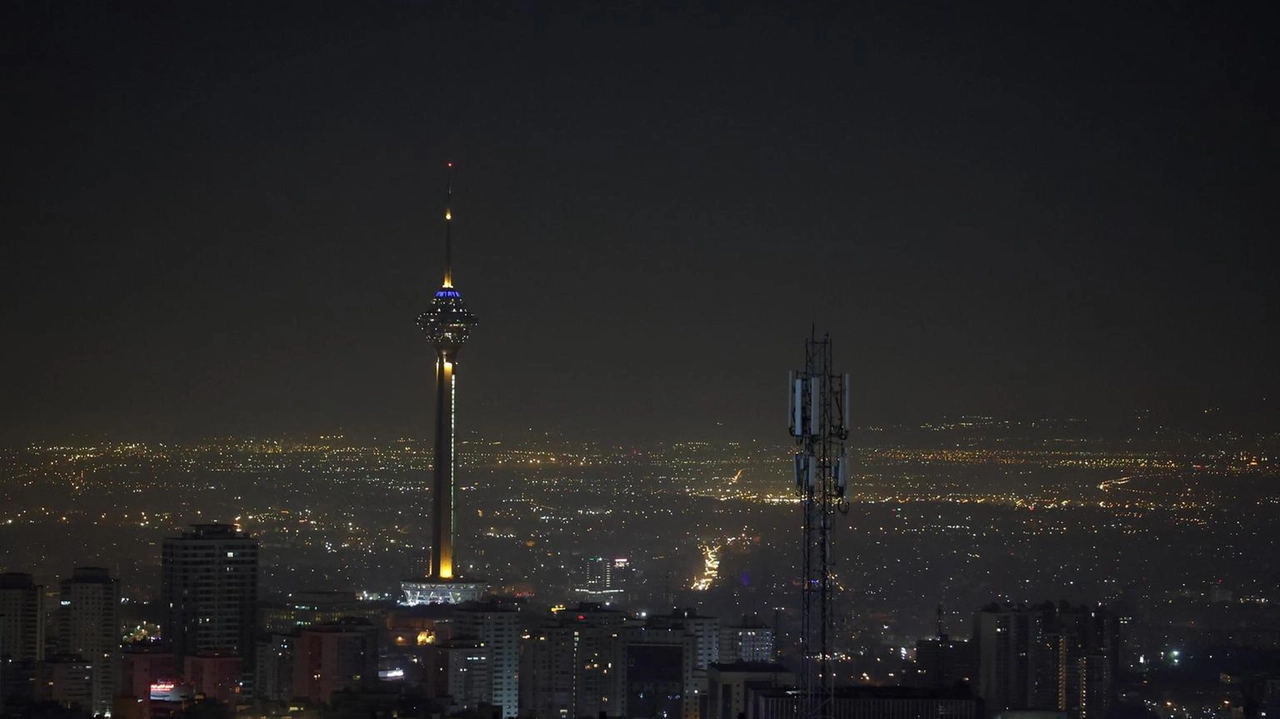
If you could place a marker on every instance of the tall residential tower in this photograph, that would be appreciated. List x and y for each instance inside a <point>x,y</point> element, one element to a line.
<point>209,589</point>
<point>447,324</point>
<point>89,625</point>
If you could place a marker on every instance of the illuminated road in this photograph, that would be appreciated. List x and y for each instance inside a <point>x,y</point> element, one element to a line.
<point>710,568</point>
<point>1108,484</point>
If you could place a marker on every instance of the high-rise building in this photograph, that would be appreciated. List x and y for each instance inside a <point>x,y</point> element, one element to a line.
<point>447,324</point>
<point>21,618</point>
<point>549,667</point>
<point>209,590</point>
<point>1095,680</point>
<point>704,629</point>
<point>750,640</point>
<point>655,673</point>
<point>458,671</point>
<point>1016,658</point>
<point>605,579</point>
<point>333,657</point>
<point>65,679</point>
<point>273,667</point>
<point>21,634</point>
<point>497,627</point>
<point>1090,642</point>
<point>567,663</point>
<point>1047,656</point>
<point>89,626</point>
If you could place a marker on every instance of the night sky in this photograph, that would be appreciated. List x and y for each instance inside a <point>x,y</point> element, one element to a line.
<point>224,218</point>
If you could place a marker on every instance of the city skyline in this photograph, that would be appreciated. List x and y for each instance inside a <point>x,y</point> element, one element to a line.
<point>221,216</point>
<point>1029,247</point>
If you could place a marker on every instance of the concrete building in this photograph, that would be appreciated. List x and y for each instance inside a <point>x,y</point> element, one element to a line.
<point>1095,682</point>
<point>67,680</point>
<point>655,673</point>
<point>209,589</point>
<point>88,618</point>
<point>496,625</point>
<point>749,640</point>
<point>1047,657</point>
<point>216,675</point>
<point>141,668</point>
<point>728,685</point>
<point>705,630</point>
<point>605,579</point>
<point>870,703</point>
<point>21,617</point>
<point>458,673</point>
<point>21,635</point>
<point>567,663</point>
<point>1017,658</point>
<point>334,657</point>
<point>273,667</point>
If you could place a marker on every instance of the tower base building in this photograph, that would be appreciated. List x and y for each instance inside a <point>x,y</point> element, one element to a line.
<point>441,591</point>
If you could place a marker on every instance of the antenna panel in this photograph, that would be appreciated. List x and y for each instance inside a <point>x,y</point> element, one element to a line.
<point>796,398</point>
<point>844,408</point>
<point>815,406</point>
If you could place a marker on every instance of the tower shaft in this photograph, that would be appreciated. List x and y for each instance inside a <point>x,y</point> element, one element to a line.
<point>442,500</point>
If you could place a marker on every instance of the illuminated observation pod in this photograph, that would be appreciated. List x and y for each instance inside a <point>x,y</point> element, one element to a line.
<point>448,322</point>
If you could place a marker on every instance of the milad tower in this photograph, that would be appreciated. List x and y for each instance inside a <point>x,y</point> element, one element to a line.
<point>447,324</point>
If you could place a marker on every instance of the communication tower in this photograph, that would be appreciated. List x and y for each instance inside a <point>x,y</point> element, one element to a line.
<point>818,411</point>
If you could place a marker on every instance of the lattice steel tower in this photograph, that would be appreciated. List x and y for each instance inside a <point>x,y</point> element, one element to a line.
<point>447,324</point>
<point>819,417</point>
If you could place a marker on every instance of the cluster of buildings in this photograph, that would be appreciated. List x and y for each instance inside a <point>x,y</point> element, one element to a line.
<point>497,657</point>
<point>72,654</point>
<point>77,662</point>
<point>1049,657</point>
<point>219,642</point>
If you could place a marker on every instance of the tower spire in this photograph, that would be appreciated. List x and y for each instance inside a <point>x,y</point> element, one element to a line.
<point>448,226</point>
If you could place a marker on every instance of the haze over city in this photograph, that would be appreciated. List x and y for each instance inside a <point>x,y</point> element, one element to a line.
<point>223,220</point>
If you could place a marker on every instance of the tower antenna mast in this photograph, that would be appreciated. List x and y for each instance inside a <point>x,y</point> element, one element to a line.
<point>448,227</point>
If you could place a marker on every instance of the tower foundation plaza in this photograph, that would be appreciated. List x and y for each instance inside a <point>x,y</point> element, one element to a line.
<point>441,591</point>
